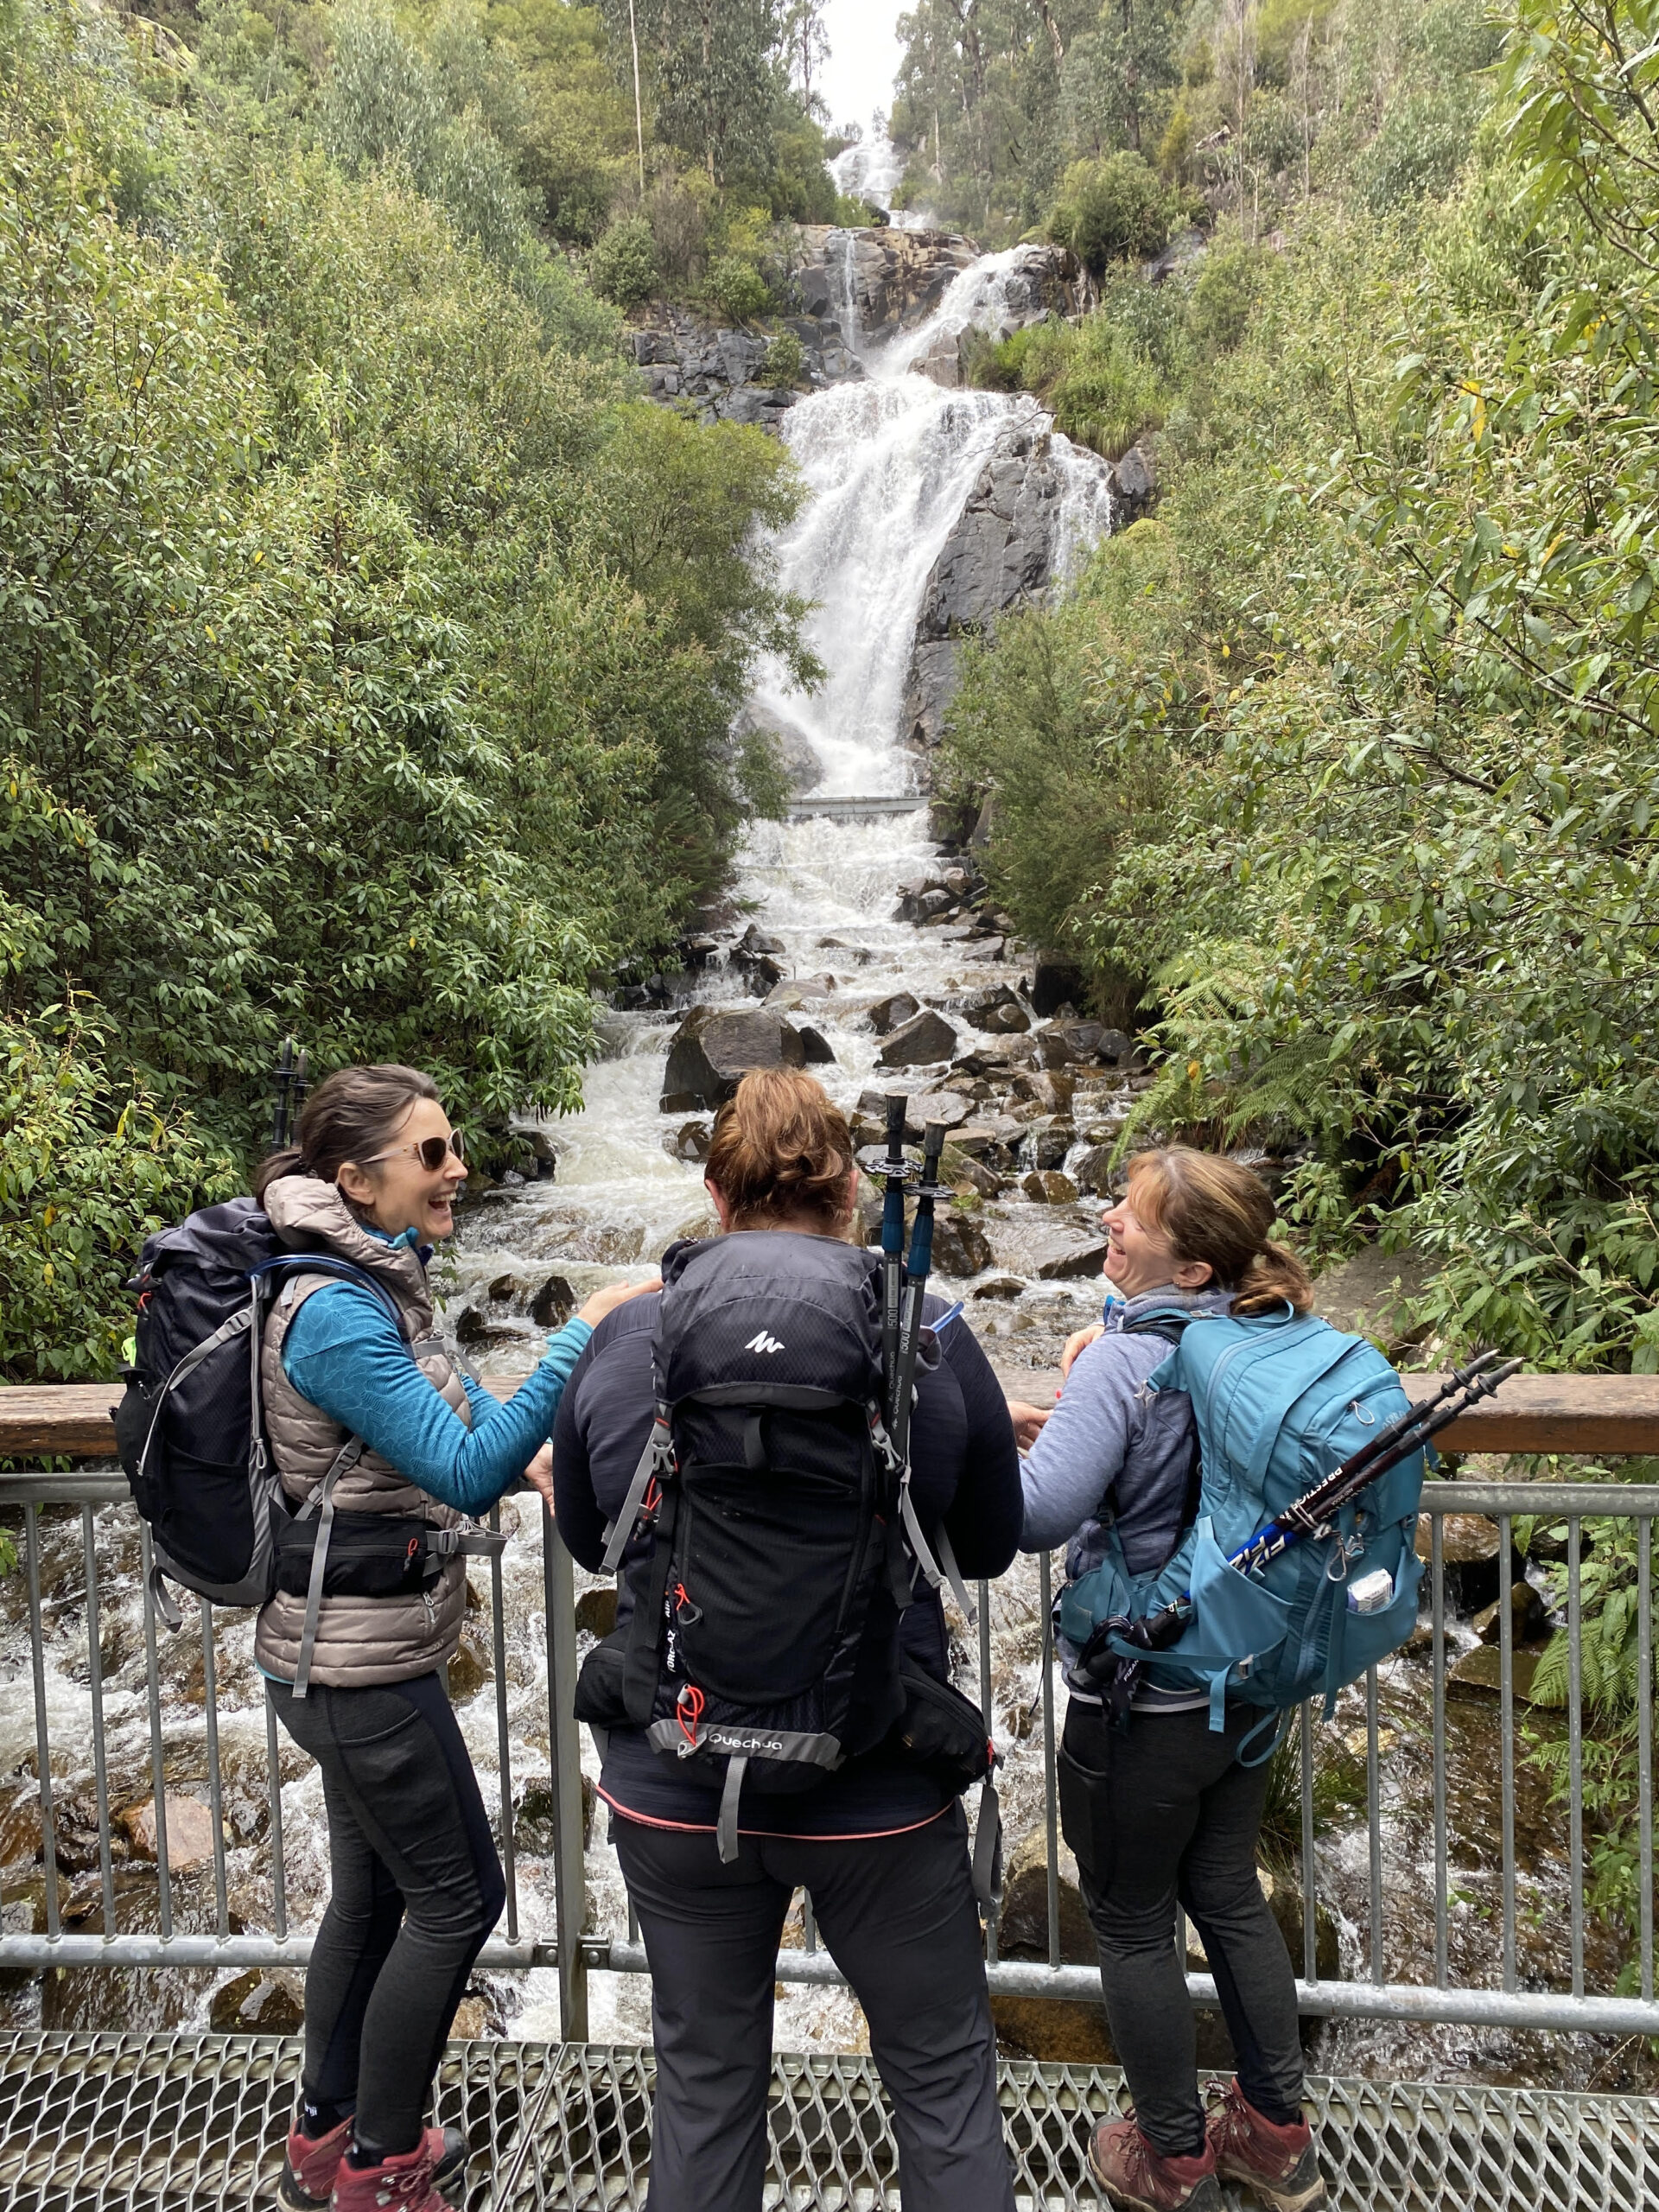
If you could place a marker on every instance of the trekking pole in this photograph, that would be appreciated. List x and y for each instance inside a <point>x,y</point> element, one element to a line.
<point>942,1568</point>
<point>898,1170</point>
<point>1311,1515</point>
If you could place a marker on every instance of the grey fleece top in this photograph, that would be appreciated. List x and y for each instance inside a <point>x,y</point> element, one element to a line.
<point>1114,1452</point>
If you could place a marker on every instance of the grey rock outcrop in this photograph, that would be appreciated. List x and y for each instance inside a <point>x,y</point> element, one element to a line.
<point>925,1037</point>
<point>724,374</point>
<point>1043,280</point>
<point>1001,553</point>
<point>869,283</point>
<point>714,1048</point>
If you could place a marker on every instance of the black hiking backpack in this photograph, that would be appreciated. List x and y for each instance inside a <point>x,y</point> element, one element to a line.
<point>190,1431</point>
<point>764,1643</point>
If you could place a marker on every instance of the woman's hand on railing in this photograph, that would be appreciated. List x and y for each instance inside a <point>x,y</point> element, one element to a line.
<point>1027,1422</point>
<point>539,1475</point>
<point>592,1310</point>
<point>1080,1341</point>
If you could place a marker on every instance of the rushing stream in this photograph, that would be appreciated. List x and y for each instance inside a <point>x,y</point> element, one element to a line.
<point>889,462</point>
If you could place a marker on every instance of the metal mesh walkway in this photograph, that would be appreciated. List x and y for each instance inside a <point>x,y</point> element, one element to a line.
<point>195,2124</point>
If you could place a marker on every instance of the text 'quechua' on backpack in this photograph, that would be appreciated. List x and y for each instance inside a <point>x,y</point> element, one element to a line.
<point>190,1430</point>
<point>764,1641</point>
<point>1279,1400</point>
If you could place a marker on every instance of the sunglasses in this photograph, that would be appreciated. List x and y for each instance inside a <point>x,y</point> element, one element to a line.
<point>431,1152</point>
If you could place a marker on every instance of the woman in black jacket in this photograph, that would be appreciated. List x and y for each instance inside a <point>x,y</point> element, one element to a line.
<point>881,1846</point>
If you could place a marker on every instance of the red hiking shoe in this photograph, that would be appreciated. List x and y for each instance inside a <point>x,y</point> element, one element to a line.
<point>1278,2164</point>
<point>1138,2178</point>
<point>314,2164</point>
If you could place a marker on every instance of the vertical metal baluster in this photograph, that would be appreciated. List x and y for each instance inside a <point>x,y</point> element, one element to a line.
<point>158,1770</point>
<point>809,1921</point>
<point>1051,1780</point>
<point>564,1748</point>
<point>95,1670</point>
<point>278,1871</point>
<point>43,1748</point>
<point>1506,1733</point>
<point>1575,1748</point>
<point>215,1790</point>
<point>1645,1743</point>
<point>503,1754</point>
<point>633,1924</point>
<point>1373,1822</point>
<point>982,1591</point>
<point>1310,1870</point>
<point>1436,1618</point>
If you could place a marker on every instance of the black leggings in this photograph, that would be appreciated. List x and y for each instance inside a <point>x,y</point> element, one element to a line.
<point>1165,1813</point>
<point>417,1887</point>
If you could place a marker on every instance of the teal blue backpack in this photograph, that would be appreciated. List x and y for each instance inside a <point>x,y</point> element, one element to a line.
<point>1279,1400</point>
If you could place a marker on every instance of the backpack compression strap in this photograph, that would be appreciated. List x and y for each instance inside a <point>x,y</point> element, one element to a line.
<point>348,1455</point>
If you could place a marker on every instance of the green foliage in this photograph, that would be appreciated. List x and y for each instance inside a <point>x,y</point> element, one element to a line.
<point>1118,209</point>
<point>1104,389</point>
<point>368,659</point>
<point>786,363</point>
<point>622,266</point>
<point>1221,297</point>
<point>86,1175</point>
<point>737,288</point>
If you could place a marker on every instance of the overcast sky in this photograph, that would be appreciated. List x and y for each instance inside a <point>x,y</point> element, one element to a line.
<point>863,56</point>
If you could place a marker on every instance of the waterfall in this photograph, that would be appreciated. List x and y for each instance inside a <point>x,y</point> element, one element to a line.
<point>871,170</point>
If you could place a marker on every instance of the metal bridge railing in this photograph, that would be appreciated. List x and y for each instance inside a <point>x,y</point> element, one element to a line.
<point>1497,1996</point>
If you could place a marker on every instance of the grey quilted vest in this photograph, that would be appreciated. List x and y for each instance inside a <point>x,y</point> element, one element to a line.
<point>360,1640</point>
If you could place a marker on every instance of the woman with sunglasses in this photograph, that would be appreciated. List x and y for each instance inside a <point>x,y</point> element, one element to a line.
<point>363,1403</point>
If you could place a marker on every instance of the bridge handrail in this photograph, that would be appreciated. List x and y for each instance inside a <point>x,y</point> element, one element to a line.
<point>1610,1415</point>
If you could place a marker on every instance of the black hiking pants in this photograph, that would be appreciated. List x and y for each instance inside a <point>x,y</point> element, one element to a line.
<point>897,1915</point>
<point>416,1888</point>
<point>1160,1815</point>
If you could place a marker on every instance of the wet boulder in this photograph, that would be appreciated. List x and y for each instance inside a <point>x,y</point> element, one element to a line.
<point>596,1610</point>
<point>818,1049</point>
<point>714,1049</point>
<point>1093,1172</point>
<point>189,1830</point>
<point>1048,1089</point>
<point>1048,1187</point>
<point>963,1172</point>
<point>996,1010</point>
<point>1052,1251</point>
<point>892,1012</point>
<point>553,1304</point>
<point>925,1037</point>
<point>1050,1138</point>
<point>1055,983</point>
<point>259,2003</point>
<point>960,1245</point>
<point>690,1142</point>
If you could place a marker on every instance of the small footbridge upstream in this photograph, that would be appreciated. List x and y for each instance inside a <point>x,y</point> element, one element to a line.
<point>158,1854</point>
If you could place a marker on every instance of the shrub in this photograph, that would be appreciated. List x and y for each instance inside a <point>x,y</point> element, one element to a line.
<point>1221,297</point>
<point>1114,210</point>
<point>738,288</point>
<point>786,362</point>
<point>623,265</point>
<point>1109,393</point>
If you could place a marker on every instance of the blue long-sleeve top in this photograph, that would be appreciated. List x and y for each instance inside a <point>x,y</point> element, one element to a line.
<point>344,1353</point>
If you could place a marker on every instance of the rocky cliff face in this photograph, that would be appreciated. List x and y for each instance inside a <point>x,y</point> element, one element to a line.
<point>872,283</point>
<point>1004,551</point>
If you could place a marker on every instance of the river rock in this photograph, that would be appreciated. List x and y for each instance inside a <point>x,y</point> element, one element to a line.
<point>189,1830</point>
<point>553,1304</point>
<point>261,2002</point>
<point>1048,1089</point>
<point>1022,1931</point>
<point>1469,1545</point>
<point>1054,982</point>
<point>961,1171</point>
<point>996,1010</point>
<point>1480,1674</point>
<point>999,1287</point>
<point>1528,1619</point>
<point>690,1142</point>
<point>817,1048</point>
<point>1134,482</point>
<point>1048,1187</point>
<point>1000,554</point>
<point>1052,1251</point>
<point>1093,1171</point>
<point>960,1245</point>
<point>926,1036</point>
<point>1047,1142</point>
<point>892,1012</point>
<point>713,1048</point>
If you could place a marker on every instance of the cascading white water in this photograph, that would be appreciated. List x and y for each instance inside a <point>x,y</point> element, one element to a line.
<point>871,171</point>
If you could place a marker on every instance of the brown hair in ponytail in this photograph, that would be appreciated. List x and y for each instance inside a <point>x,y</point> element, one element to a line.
<point>1213,1210</point>
<point>351,1115</point>
<point>781,1152</point>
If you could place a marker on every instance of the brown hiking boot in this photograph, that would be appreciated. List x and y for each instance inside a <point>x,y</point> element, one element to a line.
<point>1278,2164</point>
<point>1138,2178</point>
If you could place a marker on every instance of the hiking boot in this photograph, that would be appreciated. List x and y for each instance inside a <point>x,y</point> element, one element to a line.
<point>312,2163</point>
<point>1138,2178</point>
<point>1278,2164</point>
